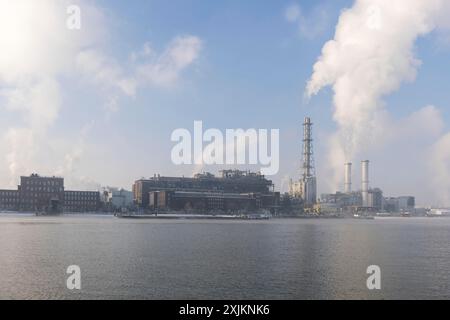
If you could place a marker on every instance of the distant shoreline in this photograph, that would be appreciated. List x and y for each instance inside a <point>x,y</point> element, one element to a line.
<point>203,217</point>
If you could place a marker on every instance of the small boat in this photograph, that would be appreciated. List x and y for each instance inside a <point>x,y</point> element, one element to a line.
<point>258,216</point>
<point>406,214</point>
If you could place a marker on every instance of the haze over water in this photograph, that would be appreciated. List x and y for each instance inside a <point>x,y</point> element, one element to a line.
<point>274,259</point>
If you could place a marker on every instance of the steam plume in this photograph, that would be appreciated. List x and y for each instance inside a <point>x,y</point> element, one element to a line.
<point>371,55</point>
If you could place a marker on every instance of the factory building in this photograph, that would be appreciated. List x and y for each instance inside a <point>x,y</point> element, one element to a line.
<point>399,204</point>
<point>81,201</point>
<point>342,200</point>
<point>232,190</point>
<point>209,201</point>
<point>46,194</point>
<point>9,200</point>
<point>375,199</point>
<point>406,203</point>
<point>366,199</point>
<point>116,199</point>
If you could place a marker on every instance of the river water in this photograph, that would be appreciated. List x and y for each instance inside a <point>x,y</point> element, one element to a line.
<point>195,259</point>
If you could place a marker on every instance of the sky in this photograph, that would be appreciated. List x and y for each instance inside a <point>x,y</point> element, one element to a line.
<point>98,105</point>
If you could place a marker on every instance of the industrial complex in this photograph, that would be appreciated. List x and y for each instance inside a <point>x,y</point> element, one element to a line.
<point>366,200</point>
<point>369,201</point>
<point>231,192</point>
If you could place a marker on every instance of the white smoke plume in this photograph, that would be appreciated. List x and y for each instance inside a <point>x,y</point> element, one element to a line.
<point>371,55</point>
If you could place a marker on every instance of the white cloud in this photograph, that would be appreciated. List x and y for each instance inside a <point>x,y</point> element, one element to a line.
<point>147,67</point>
<point>311,24</point>
<point>105,72</point>
<point>292,13</point>
<point>166,68</point>
<point>38,51</point>
<point>38,101</point>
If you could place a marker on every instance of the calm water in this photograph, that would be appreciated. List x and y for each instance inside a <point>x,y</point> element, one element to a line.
<point>276,259</point>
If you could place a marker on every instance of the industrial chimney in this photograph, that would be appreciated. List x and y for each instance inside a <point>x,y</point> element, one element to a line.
<point>348,178</point>
<point>365,183</point>
<point>308,181</point>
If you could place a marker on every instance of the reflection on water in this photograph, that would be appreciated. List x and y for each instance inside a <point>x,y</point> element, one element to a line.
<point>275,259</point>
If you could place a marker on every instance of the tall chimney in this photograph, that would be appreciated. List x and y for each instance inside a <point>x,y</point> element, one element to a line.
<point>348,178</point>
<point>308,166</point>
<point>365,182</point>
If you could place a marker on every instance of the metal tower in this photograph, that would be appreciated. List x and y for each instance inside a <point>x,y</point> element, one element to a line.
<point>308,155</point>
<point>309,185</point>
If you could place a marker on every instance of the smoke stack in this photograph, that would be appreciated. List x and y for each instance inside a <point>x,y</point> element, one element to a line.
<point>348,178</point>
<point>309,184</point>
<point>307,149</point>
<point>365,183</point>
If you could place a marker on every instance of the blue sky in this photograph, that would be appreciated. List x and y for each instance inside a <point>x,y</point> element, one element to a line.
<point>251,72</point>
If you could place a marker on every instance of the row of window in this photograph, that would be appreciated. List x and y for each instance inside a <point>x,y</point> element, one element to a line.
<point>42,183</point>
<point>80,203</point>
<point>9,200</point>
<point>33,195</point>
<point>34,200</point>
<point>76,194</point>
<point>8,193</point>
<point>81,198</point>
<point>29,201</point>
<point>76,208</point>
<point>45,189</point>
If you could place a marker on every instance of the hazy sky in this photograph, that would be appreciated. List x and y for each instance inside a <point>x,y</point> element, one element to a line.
<point>98,105</point>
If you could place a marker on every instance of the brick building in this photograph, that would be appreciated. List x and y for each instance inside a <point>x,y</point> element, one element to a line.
<point>46,194</point>
<point>43,194</point>
<point>9,200</point>
<point>81,201</point>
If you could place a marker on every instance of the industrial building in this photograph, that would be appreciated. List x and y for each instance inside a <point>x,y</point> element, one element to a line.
<point>306,188</point>
<point>38,193</point>
<point>366,199</point>
<point>9,200</point>
<point>210,201</point>
<point>340,200</point>
<point>46,194</point>
<point>117,199</point>
<point>232,191</point>
<point>399,204</point>
<point>81,201</point>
